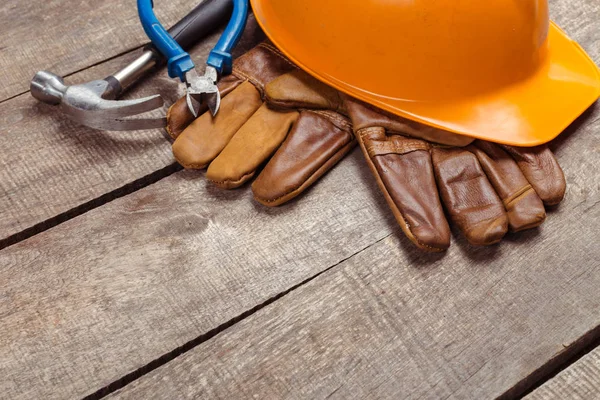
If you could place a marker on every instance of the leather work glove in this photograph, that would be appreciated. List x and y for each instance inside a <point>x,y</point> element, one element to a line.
<point>245,134</point>
<point>487,189</point>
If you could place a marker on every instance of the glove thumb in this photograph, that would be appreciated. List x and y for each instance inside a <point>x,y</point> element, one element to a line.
<point>298,90</point>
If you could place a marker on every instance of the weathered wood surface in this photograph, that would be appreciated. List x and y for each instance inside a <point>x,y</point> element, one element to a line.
<point>50,165</point>
<point>580,20</point>
<point>581,381</point>
<point>65,36</point>
<point>91,300</point>
<point>105,293</point>
<point>110,291</point>
<point>393,323</point>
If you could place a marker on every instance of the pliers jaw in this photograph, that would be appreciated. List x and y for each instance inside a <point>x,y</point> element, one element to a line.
<point>202,89</point>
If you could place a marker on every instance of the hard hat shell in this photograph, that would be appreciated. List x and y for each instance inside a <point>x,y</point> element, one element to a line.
<point>497,70</point>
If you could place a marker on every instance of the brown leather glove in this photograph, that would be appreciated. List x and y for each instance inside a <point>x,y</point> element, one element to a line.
<point>486,189</point>
<point>302,144</point>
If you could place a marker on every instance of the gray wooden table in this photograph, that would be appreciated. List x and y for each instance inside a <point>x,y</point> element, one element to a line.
<point>122,276</point>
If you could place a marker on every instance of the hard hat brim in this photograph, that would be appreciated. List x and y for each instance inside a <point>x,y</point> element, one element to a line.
<point>529,112</point>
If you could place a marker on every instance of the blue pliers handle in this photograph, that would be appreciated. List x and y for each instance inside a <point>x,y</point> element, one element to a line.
<point>179,61</point>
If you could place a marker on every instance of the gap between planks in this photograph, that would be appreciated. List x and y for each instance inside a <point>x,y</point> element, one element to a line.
<point>190,345</point>
<point>51,193</point>
<point>83,69</point>
<point>587,344</point>
<point>538,377</point>
<point>544,374</point>
<point>90,205</point>
<point>581,381</point>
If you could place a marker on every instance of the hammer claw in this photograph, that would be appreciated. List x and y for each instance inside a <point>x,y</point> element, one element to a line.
<point>126,108</point>
<point>107,124</point>
<point>78,101</point>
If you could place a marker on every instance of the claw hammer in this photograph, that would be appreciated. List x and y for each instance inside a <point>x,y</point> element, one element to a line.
<point>93,103</point>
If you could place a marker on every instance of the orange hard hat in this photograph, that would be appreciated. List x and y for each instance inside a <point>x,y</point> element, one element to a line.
<point>497,70</point>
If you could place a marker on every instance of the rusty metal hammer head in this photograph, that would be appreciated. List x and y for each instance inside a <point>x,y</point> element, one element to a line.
<point>92,104</point>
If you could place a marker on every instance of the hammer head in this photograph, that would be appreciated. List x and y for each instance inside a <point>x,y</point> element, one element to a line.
<point>92,103</point>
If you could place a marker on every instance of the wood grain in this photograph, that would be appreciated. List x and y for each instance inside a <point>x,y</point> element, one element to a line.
<point>579,19</point>
<point>105,293</point>
<point>581,381</point>
<point>393,323</point>
<point>65,36</point>
<point>117,288</point>
<point>50,165</point>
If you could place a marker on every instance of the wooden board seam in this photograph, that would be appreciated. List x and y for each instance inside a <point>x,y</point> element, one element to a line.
<point>571,354</point>
<point>83,69</point>
<point>190,345</point>
<point>81,209</point>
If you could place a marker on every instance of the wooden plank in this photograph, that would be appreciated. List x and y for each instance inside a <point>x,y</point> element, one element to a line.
<point>393,323</point>
<point>65,36</point>
<point>50,165</point>
<point>110,291</point>
<point>581,381</point>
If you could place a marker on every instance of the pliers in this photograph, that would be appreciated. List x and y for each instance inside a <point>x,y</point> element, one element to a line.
<point>199,88</point>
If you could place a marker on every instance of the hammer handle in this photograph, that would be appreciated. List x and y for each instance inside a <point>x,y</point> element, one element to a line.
<point>204,19</point>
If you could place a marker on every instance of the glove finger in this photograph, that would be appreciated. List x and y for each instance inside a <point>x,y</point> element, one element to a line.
<point>404,173</point>
<point>207,136</point>
<point>469,197</point>
<point>541,170</point>
<point>250,147</point>
<point>524,208</point>
<point>179,115</point>
<point>317,141</point>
